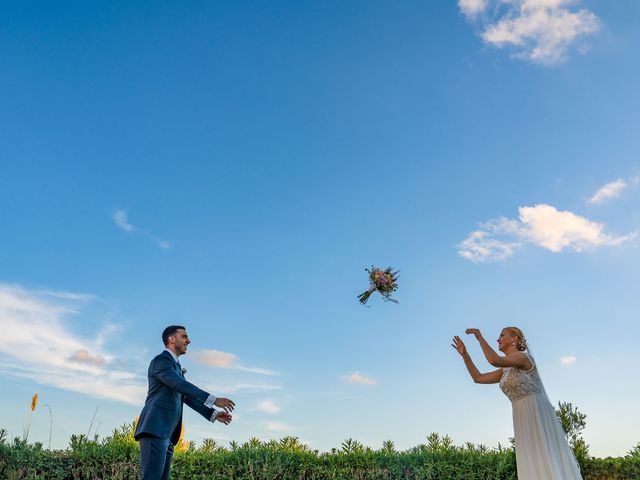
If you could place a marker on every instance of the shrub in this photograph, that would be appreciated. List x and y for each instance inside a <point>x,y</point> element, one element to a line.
<point>116,458</point>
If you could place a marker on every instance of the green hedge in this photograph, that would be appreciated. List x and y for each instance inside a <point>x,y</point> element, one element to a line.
<point>116,457</point>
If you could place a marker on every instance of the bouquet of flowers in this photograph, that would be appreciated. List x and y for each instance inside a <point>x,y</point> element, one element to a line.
<point>382,281</point>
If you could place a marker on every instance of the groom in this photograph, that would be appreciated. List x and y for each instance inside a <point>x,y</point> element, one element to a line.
<point>158,428</point>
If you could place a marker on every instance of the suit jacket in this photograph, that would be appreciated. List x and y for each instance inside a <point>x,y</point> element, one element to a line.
<point>168,390</point>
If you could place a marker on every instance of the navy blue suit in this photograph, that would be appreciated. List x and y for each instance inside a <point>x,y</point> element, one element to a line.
<point>160,422</point>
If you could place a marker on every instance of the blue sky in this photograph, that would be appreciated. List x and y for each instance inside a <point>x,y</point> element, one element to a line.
<point>234,167</point>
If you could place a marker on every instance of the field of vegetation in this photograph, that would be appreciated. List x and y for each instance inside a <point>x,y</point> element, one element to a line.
<point>116,457</point>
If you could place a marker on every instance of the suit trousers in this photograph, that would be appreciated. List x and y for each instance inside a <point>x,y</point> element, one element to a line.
<point>155,458</point>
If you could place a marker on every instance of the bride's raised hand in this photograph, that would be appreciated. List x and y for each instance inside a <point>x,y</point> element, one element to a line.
<point>475,332</point>
<point>459,345</point>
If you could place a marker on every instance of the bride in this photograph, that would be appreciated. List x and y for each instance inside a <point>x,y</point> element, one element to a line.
<point>542,451</point>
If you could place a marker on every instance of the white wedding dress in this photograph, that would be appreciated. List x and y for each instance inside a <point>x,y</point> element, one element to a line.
<point>542,451</point>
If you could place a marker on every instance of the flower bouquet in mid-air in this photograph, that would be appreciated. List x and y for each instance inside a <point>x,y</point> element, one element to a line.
<point>383,281</point>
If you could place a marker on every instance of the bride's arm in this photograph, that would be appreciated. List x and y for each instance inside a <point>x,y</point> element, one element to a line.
<point>490,377</point>
<point>517,359</point>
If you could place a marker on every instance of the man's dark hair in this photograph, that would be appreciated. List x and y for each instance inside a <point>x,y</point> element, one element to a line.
<point>170,330</point>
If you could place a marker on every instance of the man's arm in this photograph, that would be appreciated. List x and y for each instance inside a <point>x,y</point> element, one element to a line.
<point>201,408</point>
<point>209,413</point>
<point>164,369</point>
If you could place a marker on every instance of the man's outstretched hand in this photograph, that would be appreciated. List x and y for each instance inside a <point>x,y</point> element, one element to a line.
<point>224,403</point>
<point>224,417</point>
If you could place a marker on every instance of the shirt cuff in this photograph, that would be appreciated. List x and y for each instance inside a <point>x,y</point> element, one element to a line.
<point>209,401</point>
<point>213,417</point>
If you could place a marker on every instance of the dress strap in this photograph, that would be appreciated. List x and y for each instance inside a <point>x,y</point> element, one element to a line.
<point>530,357</point>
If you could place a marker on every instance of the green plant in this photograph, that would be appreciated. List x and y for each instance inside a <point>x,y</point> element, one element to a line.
<point>116,458</point>
<point>573,423</point>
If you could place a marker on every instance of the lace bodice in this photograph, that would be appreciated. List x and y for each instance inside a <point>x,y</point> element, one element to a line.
<point>517,383</point>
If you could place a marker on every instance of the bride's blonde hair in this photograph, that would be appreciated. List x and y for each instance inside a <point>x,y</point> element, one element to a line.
<point>521,342</point>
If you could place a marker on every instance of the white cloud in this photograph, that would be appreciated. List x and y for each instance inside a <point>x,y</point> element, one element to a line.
<point>258,371</point>
<point>121,220</point>
<point>120,217</point>
<point>496,240</point>
<point>42,347</point>
<point>557,230</point>
<point>568,360</point>
<point>122,376</point>
<point>219,359</point>
<point>81,298</point>
<point>608,191</point>
<point>251,387</point>
<point>471,8</point>
<point>83,356</point>
<point>214,358</point>
<point>241,387</point>
<point>278,427</point>
<point>541,31</point>
<point>268,406</point>
<point>357,377</point>
<point>163,244</point>
<point>541,225</point>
